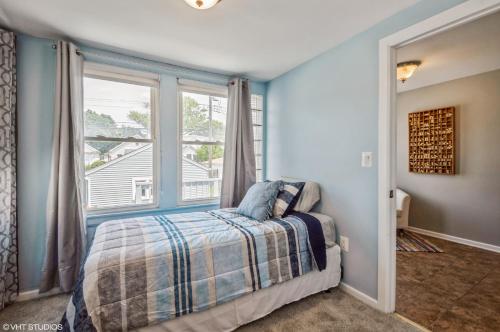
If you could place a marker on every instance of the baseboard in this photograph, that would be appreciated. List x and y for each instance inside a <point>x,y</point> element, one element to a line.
<point>35,294</point>
<point>409,321</point>
<point>451,238</point>
<point>359,295</point>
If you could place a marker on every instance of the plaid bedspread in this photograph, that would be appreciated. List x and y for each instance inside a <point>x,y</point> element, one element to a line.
<point>145,270</point>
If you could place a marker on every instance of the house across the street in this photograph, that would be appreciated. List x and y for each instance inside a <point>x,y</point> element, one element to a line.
<point>128,179</point>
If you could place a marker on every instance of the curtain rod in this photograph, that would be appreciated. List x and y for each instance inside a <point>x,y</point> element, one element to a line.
<point>155,65</point>
<point>54,46</point>
<point>174,69</point>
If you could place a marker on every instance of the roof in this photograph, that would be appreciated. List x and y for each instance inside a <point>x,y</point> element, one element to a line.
<point>90,148</point>
<point>128,155</point>
<point>119,159</point>
<point>194,163</point>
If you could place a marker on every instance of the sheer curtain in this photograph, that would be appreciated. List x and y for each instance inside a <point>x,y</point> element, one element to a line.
<point>239,156</point>
<point>8,209</point>
<point>65,216</point>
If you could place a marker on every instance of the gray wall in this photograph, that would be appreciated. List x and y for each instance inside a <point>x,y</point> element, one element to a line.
<point>466,205</point>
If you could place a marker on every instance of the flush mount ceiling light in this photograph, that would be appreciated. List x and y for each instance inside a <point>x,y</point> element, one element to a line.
<point>406,69</point>
<point>202,4</point>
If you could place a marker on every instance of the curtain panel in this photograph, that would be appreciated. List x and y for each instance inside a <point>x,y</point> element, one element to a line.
<point>239,172</point>
<point>65,216</point>
<point>8,214</point>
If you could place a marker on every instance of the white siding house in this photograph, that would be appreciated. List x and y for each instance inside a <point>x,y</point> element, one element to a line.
<point>91,154</point>
<point>113,184</point>
<point>127,180</point>
<point>123,149</point>
<point>197,181</point>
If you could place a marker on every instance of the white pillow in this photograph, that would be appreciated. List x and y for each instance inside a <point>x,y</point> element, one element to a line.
<point>310,195</point>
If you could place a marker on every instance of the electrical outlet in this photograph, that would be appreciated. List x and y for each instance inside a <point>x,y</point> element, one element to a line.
<point>344,243</point>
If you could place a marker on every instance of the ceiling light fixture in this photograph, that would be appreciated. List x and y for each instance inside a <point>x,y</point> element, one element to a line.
<point>406,69</point>
<point>202,4</point>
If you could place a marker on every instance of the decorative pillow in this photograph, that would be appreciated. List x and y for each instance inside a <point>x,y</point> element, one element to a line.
<point>287,198</point>
<point>259,200</point>
<point>310,195</point>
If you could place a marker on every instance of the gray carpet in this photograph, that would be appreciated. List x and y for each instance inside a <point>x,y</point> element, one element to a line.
<point>335,311</point>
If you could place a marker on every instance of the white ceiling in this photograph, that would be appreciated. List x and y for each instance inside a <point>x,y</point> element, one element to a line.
<point>467,50</point>
<point>261,39</point>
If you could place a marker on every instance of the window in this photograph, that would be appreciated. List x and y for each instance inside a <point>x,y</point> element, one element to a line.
<point>142,190</point>
<point>203,125</point>
<point>202,130</point>
<point>120,138</point>
<point>257,104</point>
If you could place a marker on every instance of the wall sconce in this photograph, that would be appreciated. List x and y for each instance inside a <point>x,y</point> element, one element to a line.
<point>406,69</point>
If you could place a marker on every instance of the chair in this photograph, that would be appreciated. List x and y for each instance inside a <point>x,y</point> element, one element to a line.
<point>403,208</point>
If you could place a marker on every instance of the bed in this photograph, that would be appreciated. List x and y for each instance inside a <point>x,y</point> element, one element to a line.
<point>210,271</point>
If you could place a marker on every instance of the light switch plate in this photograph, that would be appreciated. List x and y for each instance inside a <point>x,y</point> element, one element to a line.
<point>366,159</point>
<point>344,243</point>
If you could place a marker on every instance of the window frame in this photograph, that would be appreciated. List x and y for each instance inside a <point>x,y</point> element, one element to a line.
<point>199,88</point>
<point>151,80</point>
<point>262,126</point>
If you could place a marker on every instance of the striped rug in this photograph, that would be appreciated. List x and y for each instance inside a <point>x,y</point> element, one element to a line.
<point>411,242</point>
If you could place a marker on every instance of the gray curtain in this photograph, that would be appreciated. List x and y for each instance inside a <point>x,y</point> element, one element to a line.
<point>238,174</point>
<point>8,214</point>
<point>65,216</point>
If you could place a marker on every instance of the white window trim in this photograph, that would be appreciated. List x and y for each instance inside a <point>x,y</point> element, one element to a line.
<point>202,87</point>
<point>123,75</point>
<point>119,74</point>
<point>88,188</point>
<point>261,155</point>
<point>193,87</point>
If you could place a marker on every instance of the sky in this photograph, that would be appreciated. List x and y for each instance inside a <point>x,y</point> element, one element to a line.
<point>117,99</point>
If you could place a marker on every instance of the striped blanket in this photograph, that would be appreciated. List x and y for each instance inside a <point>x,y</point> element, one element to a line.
<point>142,271</point>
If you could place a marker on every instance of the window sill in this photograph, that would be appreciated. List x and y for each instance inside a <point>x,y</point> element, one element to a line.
<point>97,218</point>
<point>197,202</point>
<point>122,209</point>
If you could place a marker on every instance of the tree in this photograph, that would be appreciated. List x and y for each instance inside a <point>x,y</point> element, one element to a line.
<point>94,164</point>
<point>202,153</point>
<point>218,129</point>
<point>194,118</point>
<point>196,121</point>
<point>97,124</point>
<point>144,119</point>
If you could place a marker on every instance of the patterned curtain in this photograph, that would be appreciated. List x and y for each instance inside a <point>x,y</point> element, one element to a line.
<point>8,215</point>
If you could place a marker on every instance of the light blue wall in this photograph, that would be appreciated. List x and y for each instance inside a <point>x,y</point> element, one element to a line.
<point>35,98</point>
<point>36,88</point>
<point>321,116</point>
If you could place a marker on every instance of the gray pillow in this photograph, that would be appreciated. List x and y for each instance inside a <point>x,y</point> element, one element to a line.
<point>259,200</point>
<point>308,198</point>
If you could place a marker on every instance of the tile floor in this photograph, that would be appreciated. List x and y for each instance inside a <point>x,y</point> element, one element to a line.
<point>458,290</point>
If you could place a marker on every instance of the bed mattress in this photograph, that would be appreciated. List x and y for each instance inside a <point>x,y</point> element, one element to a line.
<point>146,270</point>
<point>246,309</point>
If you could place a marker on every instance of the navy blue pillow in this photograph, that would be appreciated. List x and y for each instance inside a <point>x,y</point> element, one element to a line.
<point>287,198</point>
<point>259,200</point>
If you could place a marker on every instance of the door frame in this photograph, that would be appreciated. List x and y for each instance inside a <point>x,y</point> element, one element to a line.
<point>458,15</point>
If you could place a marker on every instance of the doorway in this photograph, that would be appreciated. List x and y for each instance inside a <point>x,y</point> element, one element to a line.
<point>457,16</point>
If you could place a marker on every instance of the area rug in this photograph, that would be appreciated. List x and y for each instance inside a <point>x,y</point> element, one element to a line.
<point>411,242</point>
